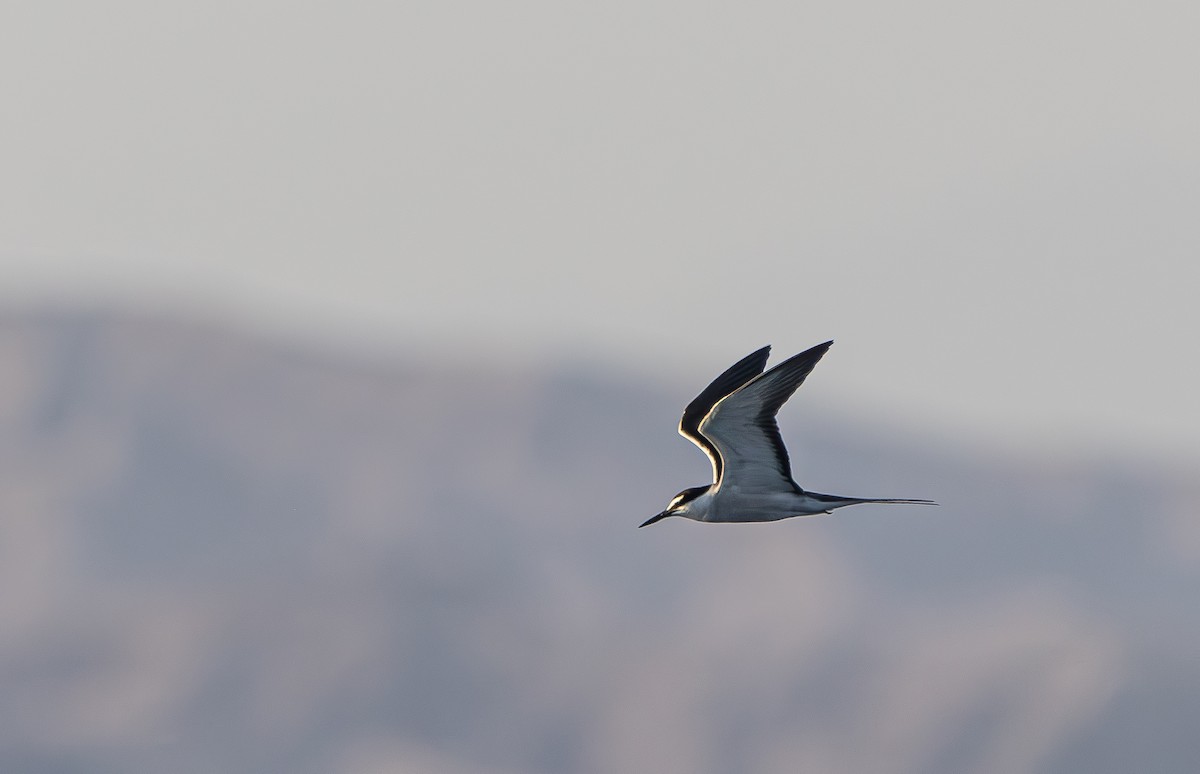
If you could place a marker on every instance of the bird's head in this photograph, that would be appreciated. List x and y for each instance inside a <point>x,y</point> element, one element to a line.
<point>682,504</point>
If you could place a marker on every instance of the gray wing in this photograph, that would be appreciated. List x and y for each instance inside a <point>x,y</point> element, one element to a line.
<point>735,376</point>
<point>742,427</point>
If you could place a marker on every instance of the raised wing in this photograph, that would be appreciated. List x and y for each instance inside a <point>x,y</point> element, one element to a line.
<point>742,427</point>
<point>734,377</point>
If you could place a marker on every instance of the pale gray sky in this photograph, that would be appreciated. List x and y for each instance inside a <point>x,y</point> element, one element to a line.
<point>993,207</point>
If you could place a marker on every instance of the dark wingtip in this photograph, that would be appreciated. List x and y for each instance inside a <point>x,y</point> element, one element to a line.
<point>732,378</point>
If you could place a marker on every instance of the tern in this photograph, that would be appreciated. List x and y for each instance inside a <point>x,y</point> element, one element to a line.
<point>733,422</point>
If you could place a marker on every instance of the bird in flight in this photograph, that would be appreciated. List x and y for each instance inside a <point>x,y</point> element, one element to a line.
<point>733,422</point>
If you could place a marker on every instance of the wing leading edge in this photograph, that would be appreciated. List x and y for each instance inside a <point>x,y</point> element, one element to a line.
<point>734,377</point>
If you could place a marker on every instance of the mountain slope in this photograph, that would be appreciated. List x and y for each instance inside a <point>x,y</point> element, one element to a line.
<point>223,555</point>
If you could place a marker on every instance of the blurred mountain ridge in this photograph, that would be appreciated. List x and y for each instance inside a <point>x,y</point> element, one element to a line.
<point>225,554</point>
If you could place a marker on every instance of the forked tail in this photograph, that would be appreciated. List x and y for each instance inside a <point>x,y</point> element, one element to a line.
<point>837,501</point>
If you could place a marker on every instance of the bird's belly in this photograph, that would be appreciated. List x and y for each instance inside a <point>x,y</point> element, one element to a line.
<point>732,506</point>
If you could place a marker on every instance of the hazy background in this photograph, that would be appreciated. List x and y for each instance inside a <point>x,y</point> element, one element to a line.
<point>342,345</point>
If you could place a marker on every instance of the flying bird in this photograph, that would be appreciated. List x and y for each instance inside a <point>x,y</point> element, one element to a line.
<point>733,422</point>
